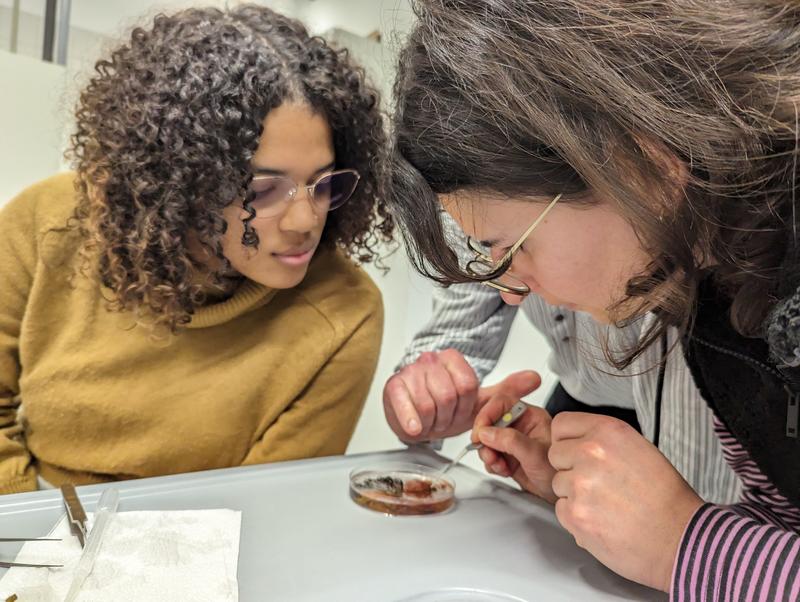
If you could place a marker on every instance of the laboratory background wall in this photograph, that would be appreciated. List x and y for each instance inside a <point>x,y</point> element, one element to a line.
<point>37,98</point>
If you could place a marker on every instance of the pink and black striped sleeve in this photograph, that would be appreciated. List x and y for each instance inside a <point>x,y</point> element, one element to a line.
<point>737,554</point>
<point>743,552</point>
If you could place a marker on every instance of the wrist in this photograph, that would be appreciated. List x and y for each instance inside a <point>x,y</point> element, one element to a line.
<point>682,515</point>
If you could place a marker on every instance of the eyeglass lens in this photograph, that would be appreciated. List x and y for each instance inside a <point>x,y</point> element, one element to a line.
<point>273,194</point>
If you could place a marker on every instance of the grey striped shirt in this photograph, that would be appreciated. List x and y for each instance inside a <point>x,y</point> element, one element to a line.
<point>474,320</point>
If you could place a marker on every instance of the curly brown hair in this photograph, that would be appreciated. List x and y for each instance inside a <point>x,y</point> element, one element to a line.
<point>166,130</point>
<point>579,97</point>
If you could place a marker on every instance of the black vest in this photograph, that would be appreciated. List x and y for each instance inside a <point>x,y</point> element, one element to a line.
<point>754,398</point>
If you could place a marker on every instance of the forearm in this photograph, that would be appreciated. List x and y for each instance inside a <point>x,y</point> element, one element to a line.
<point>469,318</point>
<point>726,556</point>
<point>16,467</point>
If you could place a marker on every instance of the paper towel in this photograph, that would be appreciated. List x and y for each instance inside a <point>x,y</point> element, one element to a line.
<point>149,556</point>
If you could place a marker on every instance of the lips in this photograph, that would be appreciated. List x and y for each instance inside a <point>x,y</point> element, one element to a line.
<point>295,257</point>
<point>294,252</point>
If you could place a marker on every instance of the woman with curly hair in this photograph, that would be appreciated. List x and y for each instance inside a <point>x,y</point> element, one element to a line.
<point>636,161</point>
<point>188,299</point>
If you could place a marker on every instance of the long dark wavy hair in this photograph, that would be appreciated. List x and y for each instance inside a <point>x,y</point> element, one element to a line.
<point>583,98</point>
<point>166,130</point>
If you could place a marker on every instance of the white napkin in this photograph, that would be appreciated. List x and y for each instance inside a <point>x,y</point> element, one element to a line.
<point>153,556</point>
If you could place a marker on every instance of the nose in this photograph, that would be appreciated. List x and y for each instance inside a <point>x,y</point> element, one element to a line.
<point>300,215</point>
<point>496,254</point>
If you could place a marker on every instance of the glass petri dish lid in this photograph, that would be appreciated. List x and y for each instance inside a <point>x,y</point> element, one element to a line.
<point>461,594</point>
<point>401,489</point>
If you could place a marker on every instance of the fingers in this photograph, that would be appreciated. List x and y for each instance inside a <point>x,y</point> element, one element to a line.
<point>572,425</point>
<point>563,484</point>
<point>563,514</point>
<point>400,408</point>
<point>564,454</point>
<point>415,379</point>
<point>525,459</point>
<point>495,462</point>
<point>441,389</point>
<point>573,517</point>
<point>535,422</point>
<point>434,396</point>
<point>508,441</point>
<point>491,412</point>
<point>518,384</point>
<point>466,384</point>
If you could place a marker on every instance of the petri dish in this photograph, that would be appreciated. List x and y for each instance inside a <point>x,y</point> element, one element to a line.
<point>459,594</point>
<point>400,489</point>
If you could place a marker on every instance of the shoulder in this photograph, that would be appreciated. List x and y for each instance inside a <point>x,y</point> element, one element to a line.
<point>43,206</point>
<point>342,292</point>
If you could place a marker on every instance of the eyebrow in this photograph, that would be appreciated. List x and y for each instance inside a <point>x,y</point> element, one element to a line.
<point>266,171</point>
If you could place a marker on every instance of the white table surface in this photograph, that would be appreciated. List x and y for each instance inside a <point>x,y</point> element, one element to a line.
<point>304,540</point>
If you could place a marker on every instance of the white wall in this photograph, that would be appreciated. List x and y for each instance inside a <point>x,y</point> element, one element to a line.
<point>107,16</point>
<point>83,43</point>
<point>35,109</point>
<point>31,121</point>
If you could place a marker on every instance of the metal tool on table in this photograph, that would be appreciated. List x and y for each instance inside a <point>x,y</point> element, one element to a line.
<point>8,565</point>
<point>76,516</point>
<point>507,419</point>
<point>11,565</point>
<point>106,508</point>
<point>77,520</point>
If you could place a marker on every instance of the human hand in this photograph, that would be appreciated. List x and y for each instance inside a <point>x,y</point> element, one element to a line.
<point>619,496</point>
<point>518,451</point>
<point>439,396</point>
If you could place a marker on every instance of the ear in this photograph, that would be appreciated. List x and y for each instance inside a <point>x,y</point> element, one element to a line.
<point>675,173</point>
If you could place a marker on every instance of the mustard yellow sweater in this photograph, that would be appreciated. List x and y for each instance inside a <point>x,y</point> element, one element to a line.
<point>86,397</point>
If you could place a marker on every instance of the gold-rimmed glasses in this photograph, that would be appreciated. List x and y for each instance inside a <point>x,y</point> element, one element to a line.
<point>273,194</point>
<point>505,282</point>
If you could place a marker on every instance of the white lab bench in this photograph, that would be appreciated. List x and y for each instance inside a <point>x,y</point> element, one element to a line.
<point>304,540</point>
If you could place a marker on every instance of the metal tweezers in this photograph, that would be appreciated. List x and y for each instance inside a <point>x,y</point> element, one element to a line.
<point>8,565</point>
<point>77,524</point>
<point>75,513</point>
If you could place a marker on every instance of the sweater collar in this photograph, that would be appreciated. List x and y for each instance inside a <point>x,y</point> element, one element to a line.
<point>249,296</point>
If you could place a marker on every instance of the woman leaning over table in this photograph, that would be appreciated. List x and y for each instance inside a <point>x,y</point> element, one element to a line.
<point>636,161</point>
<point>188,298</point>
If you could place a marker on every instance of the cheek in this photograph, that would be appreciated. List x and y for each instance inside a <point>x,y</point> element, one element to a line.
<point>603,262</point>
<point>566,274</point>
<point>232,247</point>
<point>589,267</point>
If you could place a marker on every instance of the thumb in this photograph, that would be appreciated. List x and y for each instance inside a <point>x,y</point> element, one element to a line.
<point>508,441</point>
<point>515,385</point>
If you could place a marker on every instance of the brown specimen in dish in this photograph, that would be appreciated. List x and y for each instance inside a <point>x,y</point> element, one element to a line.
<point>417,487</point>
<point>403,495</point>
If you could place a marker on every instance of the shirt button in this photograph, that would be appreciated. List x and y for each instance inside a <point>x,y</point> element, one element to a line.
<point>565,339</point>
<point>559,317</point>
